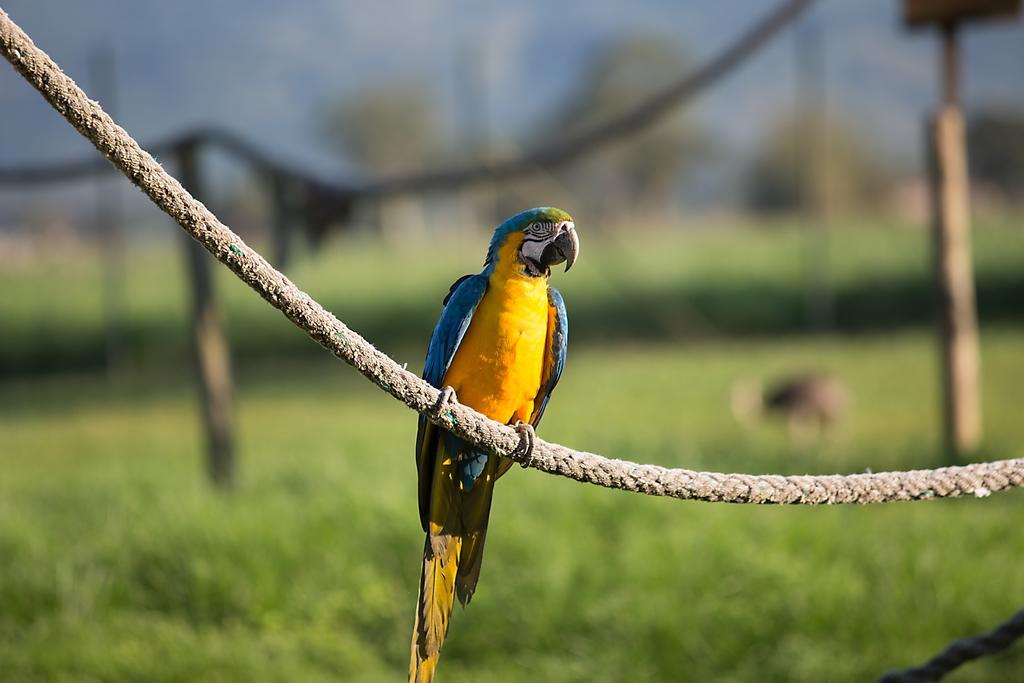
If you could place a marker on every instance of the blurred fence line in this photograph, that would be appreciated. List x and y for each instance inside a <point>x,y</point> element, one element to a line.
<point>328,201</point>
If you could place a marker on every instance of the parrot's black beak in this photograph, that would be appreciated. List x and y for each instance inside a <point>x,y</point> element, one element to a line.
<point>565,247</point>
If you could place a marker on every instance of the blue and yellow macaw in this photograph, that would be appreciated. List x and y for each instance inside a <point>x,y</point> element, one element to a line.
<point>500,344</point>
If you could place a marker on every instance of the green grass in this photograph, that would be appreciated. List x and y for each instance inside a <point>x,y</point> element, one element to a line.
<point>118,564</point>
<point>630,284</point>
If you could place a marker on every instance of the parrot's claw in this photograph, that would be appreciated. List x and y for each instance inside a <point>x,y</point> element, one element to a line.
<point>444,399</point>
<point>527,437</point>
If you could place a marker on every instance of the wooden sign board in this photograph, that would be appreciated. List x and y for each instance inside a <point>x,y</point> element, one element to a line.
<point>923,12</point>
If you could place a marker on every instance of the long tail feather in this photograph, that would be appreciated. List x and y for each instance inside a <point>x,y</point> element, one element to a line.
<point>452,553</point>
<point>475,510</point>
<point>434,606</point>
<point>471,559</point>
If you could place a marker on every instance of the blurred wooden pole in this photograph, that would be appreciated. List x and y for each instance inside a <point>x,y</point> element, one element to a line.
<point>212,358</point>
<point>954,279</point>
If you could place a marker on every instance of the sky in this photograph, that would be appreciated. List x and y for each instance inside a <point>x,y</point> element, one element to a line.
<point>266,69</point>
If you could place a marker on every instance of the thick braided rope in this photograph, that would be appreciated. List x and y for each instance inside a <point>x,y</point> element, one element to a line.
<point>960,652</point>
<point>122,151</point>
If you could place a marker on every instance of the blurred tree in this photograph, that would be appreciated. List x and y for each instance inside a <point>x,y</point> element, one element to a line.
<point>995,143</point>
<point>388,128</point>
<point>644,172</point>
<point>779,179</point>
<point>385,128</point>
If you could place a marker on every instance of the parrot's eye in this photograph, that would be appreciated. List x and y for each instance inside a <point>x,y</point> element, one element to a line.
<point>539,229</point>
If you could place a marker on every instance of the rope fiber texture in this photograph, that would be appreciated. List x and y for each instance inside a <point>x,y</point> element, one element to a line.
<point>167,193</point>
<point>960,652</point>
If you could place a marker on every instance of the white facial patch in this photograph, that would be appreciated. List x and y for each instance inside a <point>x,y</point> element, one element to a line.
<point>536,236</point>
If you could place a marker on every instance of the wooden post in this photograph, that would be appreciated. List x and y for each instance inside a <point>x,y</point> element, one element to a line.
<point>212,359</point>
<point>954,278</point>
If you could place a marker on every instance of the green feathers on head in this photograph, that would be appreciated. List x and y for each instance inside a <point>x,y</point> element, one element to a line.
<point>542,214</point>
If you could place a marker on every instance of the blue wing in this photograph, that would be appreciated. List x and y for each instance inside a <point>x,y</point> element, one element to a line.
<point>458,310</point>
<point>557,345</point>
<point>460,304</point>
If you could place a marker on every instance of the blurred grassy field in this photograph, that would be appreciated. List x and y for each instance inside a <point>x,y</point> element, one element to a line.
<point>630,285</point>
<point>118,564</point>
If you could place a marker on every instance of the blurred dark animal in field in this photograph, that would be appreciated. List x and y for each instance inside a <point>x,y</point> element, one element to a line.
<point>814,405</point>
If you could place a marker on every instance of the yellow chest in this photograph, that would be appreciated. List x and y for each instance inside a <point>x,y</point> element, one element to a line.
<point>498,367</point>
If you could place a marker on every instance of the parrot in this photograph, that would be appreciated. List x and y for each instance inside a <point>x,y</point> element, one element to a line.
<point>500,345</point>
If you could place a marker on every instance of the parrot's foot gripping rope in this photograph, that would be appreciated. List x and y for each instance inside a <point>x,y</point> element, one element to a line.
<point>444,399</point>
<point>527,438</point>
<point>527,435</point>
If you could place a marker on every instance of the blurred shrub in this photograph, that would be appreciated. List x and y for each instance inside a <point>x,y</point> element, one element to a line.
<point>642,173</point>
<point>387,127</point>
<point>818,161</point>
<point>996,150</point>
